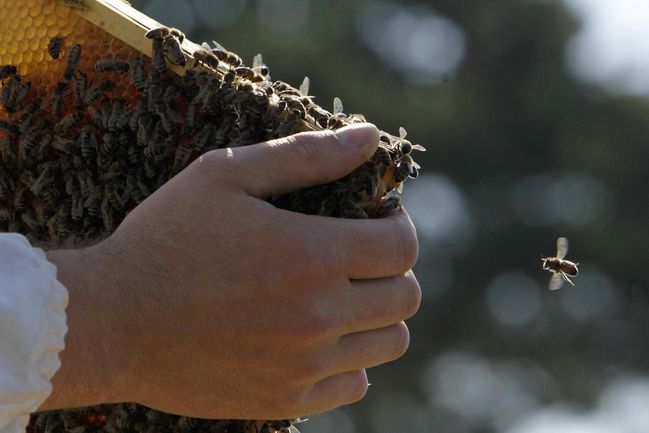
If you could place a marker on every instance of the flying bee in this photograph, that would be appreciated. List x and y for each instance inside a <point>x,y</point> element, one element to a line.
<point>54,46</point>
<point>73,57</point>
<point>111,65</point>
<point>173,51</point>
<point>560,268</point>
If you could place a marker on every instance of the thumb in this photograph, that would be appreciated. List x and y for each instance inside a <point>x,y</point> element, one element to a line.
<point>302,160</point>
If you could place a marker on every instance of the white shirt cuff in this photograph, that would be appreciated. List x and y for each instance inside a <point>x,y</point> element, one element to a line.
<point>32,329</point>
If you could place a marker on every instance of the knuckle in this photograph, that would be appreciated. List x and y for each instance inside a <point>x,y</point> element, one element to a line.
<point>302,148</point>
<point>313,328</point>
<point>308,370</point>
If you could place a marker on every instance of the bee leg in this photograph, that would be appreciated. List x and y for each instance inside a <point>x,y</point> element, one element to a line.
<point>565,277</point>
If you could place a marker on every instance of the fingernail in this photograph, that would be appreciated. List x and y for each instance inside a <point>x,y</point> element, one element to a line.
<point>358,135</point>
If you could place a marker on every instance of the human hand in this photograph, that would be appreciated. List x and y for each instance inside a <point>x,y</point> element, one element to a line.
<point>207,301</point>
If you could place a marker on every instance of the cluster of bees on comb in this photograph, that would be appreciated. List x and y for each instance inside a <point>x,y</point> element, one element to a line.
<point>75,161</point>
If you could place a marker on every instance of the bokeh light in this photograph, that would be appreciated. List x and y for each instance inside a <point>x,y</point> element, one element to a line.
<point>571,200</point>
<point>415,41</point>
<point>513,298</point>
<point>612,48</point>
<point>591,299</point>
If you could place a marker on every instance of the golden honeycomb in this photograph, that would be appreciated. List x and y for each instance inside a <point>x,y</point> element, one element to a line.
<point>26,28</point>
<point>67,185</point>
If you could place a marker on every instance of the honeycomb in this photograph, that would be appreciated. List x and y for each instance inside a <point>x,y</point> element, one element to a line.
<point>80,146</point>
<point>29,25</point>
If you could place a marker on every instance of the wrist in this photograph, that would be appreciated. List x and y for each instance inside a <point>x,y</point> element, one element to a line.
<point>94,363</point>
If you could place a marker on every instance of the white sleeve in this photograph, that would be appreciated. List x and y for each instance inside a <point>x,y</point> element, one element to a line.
<point>32,328</point>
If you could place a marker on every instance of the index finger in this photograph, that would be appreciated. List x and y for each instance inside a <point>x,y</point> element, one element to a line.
<point>370,248</point>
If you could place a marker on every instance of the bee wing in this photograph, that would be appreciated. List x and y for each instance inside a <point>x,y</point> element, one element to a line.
<point>562,247</point>
<point>304,87</point>
<point>402,132</point>
<point>556,282</point>
<point>418,147</point>
<point>218,46</point>
<point>257,61</point>
<point>338,105</point>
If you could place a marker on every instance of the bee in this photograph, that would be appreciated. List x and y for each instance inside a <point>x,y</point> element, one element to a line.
<point>138,191</point>
<point>406,167</point>
<point>9,126</point>
<point>57,99</point>
<point>8,71</point>
<point>13,94</point>
<point>205,57</point>
<point>173,51</point>
<point>81,85</point>
<point>111,65</point>
<point>387,205</point>
<point>67,122</point>
<point>73,58</point>
<point>406,146</point>
<point>304,87</point>
<point>136,73</point>
<point>115,119</point>
<point>158,56</point>
<point>29,139</point>
<point>164,33</point>
<point>245,72</point>
<point>259,67</point>
<point>62,144</point>
<point>226,56</point>
<point>88,141</point>
<point>168,117</point>
<point>97,90</point>
<point>6,149</point>
<point>75,4</point>
<point>54,46</point>
<point>560,268</point>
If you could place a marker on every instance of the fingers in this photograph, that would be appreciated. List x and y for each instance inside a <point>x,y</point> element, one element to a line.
<point>334,391</point>
<point>306,159</point>
<point>375,304</point>
<point>370,348</point>
<point>364,249</point>
<point>347,381</point>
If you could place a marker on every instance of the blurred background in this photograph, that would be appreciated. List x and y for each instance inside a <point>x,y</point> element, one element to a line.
<point>536,120</point>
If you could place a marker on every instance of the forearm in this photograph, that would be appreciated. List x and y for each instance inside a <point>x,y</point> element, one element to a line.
<point>93,367</point>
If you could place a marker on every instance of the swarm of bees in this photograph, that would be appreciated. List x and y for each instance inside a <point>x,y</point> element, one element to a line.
<point>76,162</point>
<point>561,269</point>
<point>77,157</point>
